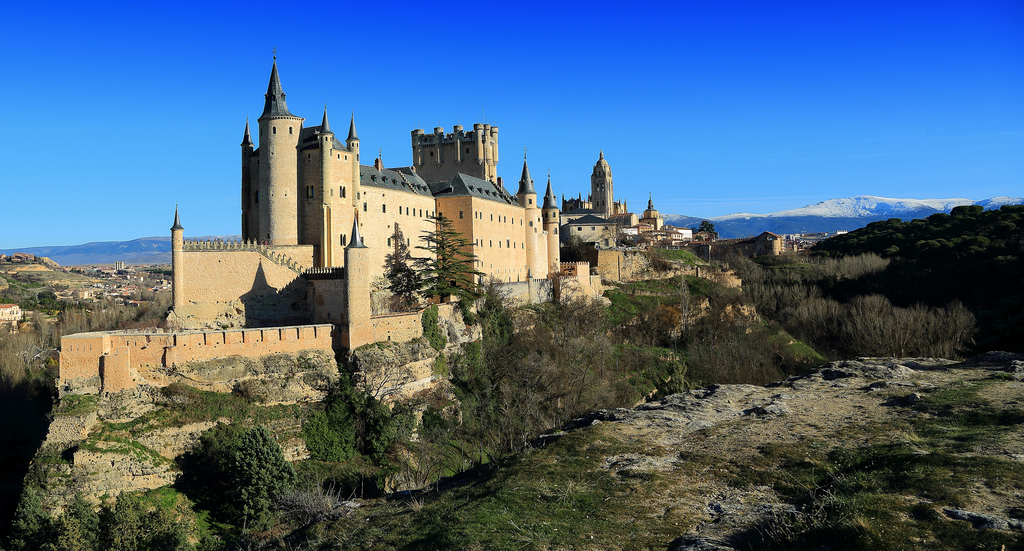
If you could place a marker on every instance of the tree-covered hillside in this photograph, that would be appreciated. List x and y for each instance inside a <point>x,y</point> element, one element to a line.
<point>971,255</point>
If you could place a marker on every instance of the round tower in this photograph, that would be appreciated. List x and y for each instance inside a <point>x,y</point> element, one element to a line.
<point>247,184</point>
<point>352,142</point>
<point>326,139</point>
<point>357,290</point>
<point>177,262</point>
<point>278,190</point>
<point>551,226</point>
<point>527,197</point>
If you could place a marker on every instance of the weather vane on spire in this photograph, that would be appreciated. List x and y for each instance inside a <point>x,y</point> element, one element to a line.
<point>274,51</point>
<point>524,153</point>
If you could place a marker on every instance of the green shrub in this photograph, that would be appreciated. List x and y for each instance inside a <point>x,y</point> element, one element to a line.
<point>431,330</point>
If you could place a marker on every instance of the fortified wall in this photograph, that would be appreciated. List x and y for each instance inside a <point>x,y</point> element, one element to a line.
<point>241,284</point>
<point>116,360</point>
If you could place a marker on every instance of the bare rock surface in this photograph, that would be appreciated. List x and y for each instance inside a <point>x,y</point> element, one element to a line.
<point>737,420</point>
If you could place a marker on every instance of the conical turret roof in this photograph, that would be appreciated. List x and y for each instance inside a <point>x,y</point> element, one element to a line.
<point>177,222</point>
<point>275,105</point>
<point>525,182</point>
<point>324,126</point>
<point>357,240</point>
<point>549,197</point>
<point>352,128</point>
<point>650,201</point>
<point>246,139</point>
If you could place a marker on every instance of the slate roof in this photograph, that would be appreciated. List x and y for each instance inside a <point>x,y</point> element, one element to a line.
<point>275,106</point>
<point>463,185</point>
<point>590,220</point>
<point>549,197</point>
<point>574,212</point>
<point>309,138</point>
<point>392,179</point>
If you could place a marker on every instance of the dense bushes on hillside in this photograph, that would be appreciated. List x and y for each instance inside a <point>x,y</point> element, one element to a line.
<point>970,255</point>
<point>799,294</point>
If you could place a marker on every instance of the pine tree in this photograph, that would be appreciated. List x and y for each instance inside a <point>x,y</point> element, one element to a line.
<point>449,271</point>
<point>404,282</point>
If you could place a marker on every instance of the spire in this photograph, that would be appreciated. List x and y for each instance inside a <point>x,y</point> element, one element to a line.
<point>525,182</point>
<point>324,127</point>
<point>650,201</point>
<point>177,222</point>
<point>599,158</point>
<point>549,197</point>
<point>357,240</point>
<point>246,139</point>
<point>275,105</point>
<point>352,129</point>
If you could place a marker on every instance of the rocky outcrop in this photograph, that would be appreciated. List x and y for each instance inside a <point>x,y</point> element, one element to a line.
<point>737,420</point>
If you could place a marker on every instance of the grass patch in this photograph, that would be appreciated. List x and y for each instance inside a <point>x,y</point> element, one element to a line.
<point>77,404</point>
<point>680,255</point>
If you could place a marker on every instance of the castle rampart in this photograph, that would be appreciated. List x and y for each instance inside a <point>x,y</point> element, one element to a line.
<point>116,360</point>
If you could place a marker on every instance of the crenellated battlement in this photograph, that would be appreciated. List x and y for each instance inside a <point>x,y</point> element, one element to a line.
<point>219,245</point>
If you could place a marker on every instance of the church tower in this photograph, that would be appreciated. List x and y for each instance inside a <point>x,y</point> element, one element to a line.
<point>652,216</point>
<point>276,196</point>
<point>601,188</point>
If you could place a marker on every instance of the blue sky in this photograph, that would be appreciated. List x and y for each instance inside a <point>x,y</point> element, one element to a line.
<point>117,112</point>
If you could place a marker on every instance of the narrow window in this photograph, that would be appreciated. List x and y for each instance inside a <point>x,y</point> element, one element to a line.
<point>275,130</point>
<point>389,242</point>
<point>342,192</point>
<point>383,208</point>
<point>289,130</point>
<point>364,206</point>
<point>460,215</point>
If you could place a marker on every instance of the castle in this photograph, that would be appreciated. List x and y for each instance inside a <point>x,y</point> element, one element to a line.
<point>316,228</point>
<point>308,207</point>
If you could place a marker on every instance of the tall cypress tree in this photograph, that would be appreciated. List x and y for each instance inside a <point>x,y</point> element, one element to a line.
<point>450,270</point>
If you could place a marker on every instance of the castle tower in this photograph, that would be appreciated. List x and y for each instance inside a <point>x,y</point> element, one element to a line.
<point>326,139</point>
<point>601,187</point>
<point>438,157</point>
<point>551,226</point>
<point>357,289</point>
<point>177,262</point>
<point>352,142</point>
<point>247,191</point>
<point>527,197</point>
<point>276,197</point>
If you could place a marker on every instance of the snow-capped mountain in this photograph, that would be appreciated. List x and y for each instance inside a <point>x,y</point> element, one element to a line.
<point>835,214</point>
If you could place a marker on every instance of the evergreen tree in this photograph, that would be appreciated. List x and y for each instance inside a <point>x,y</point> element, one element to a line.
<point>31,526</point>
<point>450,270</point>
<point>404,282</point>
<point>708,227</point>
<point>259,473</point>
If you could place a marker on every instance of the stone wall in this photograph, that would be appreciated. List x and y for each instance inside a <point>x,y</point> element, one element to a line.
<point>531,291</point>
<point>616,265</point>
<point>223,287</point>
<point>397,327</point>
<point>125,359</point>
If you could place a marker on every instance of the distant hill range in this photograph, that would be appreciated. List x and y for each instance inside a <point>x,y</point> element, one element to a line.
<point>145,250</point>
<point>833,215</point>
